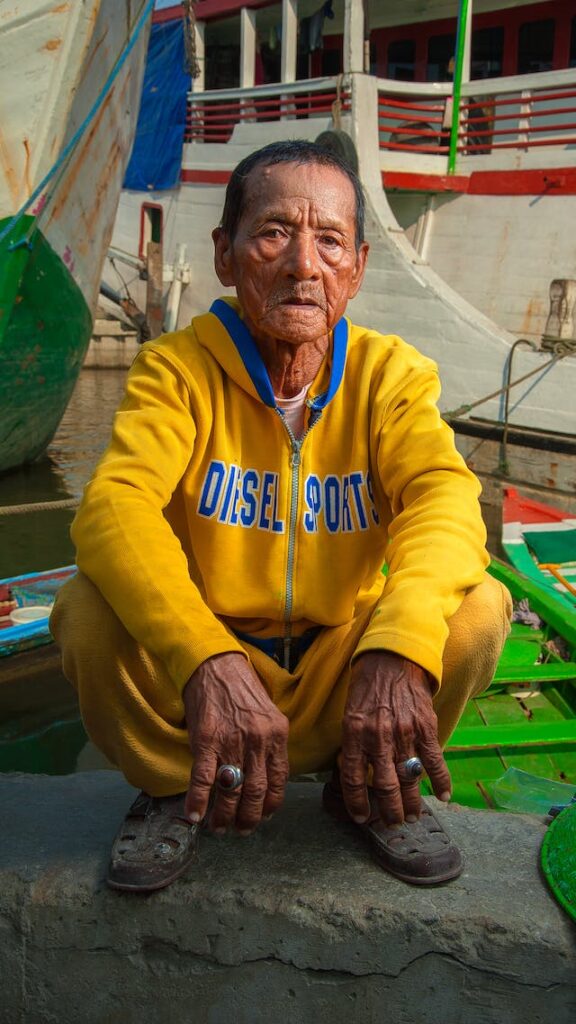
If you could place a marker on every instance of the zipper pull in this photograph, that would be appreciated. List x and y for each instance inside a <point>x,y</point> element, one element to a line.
<point>295,460</point>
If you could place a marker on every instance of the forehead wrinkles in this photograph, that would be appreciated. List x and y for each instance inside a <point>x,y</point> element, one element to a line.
<point>323,196</point>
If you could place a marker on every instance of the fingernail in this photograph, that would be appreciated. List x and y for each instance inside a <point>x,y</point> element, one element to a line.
<point>194,818</point>
<point>411,818</point>
<point>360,820</point>
<point>445,798</point>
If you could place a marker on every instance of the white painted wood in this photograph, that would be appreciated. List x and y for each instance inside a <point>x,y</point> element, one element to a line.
<point>467,43</point>
<point>289,40</point>
<point>61,54</point>
<point>43,47</point>
<point>247,47</point>
<point>353,46</point>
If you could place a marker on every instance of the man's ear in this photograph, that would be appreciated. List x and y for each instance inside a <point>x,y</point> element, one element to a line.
<point>223,264</point>
<point>359,269</point>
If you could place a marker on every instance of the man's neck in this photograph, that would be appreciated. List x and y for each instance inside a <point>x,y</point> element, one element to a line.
<point>292,367</point>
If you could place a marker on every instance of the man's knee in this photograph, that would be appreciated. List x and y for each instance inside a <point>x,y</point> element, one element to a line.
<point>477,633</point>
<point>83,624</point>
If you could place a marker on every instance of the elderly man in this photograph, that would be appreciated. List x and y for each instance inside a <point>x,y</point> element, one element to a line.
<point>230,623</point>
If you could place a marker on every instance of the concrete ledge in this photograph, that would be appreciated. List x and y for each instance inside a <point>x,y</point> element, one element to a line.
<point>294,924</point>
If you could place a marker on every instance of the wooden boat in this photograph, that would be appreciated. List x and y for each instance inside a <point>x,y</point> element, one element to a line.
<point>527,717</point>
<point>540,541</point>
<point>35,593</point>
<point>40,726</point>
<point>70,84</point>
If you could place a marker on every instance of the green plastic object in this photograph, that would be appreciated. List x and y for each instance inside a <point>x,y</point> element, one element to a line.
<point>558,858</point>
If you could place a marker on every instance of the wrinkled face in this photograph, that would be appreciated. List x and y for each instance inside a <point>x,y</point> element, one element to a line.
<point>293,261</point>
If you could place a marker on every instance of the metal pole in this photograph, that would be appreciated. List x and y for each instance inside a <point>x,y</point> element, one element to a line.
<point>457,86</point>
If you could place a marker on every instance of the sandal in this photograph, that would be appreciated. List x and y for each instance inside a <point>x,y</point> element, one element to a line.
<point>418,852</point>
<point>154,845</point>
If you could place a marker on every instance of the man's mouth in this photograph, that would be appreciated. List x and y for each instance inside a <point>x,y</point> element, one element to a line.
<point>295,301</point>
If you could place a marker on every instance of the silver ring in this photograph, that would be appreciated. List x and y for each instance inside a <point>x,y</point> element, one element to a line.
<point>413,767</point>
<point>229,777</point>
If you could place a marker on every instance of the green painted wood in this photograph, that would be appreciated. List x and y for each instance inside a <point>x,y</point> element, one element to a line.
<point>45,328</point>
<point>516,735</point>
<point>552,672</point>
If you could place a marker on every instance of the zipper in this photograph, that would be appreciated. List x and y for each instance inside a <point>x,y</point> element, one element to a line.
<point>295,463</point>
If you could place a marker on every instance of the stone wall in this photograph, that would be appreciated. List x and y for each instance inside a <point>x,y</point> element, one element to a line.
<point>295,924</point>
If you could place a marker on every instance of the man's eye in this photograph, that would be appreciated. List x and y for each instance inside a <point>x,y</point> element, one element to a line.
<point>329,240</point>
<point>272,233</point>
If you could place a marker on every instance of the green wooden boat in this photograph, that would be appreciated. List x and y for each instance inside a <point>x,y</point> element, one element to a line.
<point>70,82</point>
<point>527,718</point>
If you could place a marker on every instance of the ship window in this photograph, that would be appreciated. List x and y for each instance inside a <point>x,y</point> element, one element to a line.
<point>535,46</point>
<point>572,57</point>
<point>401,60</point>
<point>441,50</point>
<point>151,226</point>
<point>487,52</point>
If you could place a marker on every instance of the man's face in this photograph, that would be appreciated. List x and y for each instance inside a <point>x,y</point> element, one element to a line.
<point>293,261</point>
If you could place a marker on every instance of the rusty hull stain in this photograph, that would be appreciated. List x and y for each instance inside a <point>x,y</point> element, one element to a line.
<point>9,172</point>
<point>51,44</point>
<point>60,8</point>
<point>533,312</point>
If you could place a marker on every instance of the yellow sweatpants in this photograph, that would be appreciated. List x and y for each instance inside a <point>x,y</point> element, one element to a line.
<point>134,714</point>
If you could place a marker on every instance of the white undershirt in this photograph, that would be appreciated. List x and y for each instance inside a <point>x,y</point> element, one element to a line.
<point>294,410</point>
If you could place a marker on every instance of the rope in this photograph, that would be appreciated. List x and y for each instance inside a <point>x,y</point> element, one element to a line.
<point>192,64</point>
<point>82,128</point>
<point>561,349</point>
<point>38,506</point>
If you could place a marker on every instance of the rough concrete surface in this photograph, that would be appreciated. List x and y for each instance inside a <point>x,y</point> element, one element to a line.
<point>294,924</point>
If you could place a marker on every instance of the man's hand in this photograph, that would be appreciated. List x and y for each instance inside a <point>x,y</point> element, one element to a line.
<point>388,718</point>
<point>231,720</point>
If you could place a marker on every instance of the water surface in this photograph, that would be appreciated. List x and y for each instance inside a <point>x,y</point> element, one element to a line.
<point>41,540</point>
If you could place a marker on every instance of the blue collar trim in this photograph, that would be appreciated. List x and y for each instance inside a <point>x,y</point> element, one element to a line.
<point>254,363</point>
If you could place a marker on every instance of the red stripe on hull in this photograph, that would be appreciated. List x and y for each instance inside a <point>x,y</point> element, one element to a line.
<point>205,177</point>
<point>559,181</point>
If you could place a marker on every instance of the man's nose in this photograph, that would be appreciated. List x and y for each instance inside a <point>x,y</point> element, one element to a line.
<point>303,257</point>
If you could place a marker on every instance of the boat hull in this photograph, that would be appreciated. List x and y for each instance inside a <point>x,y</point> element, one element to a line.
<point>43,338</point>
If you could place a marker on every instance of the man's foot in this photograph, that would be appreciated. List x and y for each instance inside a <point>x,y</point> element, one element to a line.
<point>418,852</point>
<point>154,845</point>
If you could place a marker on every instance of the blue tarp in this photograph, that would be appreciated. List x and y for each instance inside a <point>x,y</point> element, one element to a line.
<point>157,154</point>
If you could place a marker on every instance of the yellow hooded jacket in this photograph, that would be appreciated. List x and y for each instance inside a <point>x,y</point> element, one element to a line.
<point>206,517</point>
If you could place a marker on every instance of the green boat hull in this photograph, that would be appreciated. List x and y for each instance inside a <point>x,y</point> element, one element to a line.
<point>45,329</point>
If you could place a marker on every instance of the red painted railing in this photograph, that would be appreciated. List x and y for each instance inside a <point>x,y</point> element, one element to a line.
<point>214,120</point>
<point>515,113</point>
<point>413,126</point>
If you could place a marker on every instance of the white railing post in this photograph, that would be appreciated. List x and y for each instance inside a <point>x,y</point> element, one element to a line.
<point>353,56</point>
<point>289,40</point>
<point>524,118</point>
<point>247,47</point>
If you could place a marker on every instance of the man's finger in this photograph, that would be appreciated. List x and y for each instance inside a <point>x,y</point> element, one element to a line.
<point>386,786</point>
<point>201,783</point>
<point>254,789</point>
<point>436,768</point>
<point>354,788</point>
<point>225,809</point>
<point>278,771</point>
<point>409,789</point>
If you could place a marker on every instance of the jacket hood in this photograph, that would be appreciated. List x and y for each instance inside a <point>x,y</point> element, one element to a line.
<point>225,335</point>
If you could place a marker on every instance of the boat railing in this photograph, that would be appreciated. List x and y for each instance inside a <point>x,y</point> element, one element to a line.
<point>212,115</point>
<point>519,121</point>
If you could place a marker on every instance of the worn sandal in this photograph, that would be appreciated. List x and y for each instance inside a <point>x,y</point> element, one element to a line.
<point>418,852</point>
<point>154,845</point>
